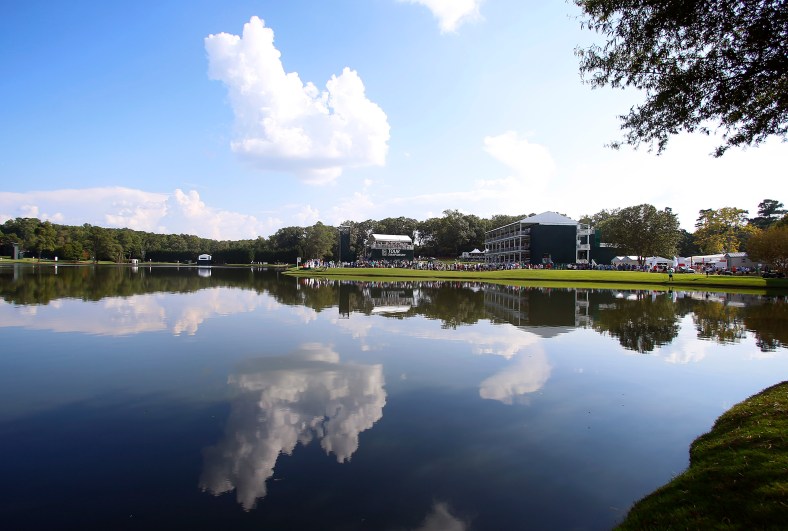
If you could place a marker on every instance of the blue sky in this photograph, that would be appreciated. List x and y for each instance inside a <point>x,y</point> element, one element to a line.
<point>233,119</point>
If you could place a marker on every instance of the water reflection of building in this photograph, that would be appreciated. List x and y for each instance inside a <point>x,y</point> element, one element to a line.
<point>389,300</point>
<point>545,311</point>
<point>373,298</point>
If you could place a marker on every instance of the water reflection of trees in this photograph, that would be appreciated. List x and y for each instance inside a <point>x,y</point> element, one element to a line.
<point>640,320</point>
<point>719,322</point>
<point>727,318</point>
<point>641,323</point>
<point>769,322</point>
<point>42,285</point>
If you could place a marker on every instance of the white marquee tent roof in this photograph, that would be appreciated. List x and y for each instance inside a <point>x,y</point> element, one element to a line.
<point>549,218</point>
<point>391,238</point>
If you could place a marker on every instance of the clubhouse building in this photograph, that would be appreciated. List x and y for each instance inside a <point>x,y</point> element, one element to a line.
<point>545,239</point>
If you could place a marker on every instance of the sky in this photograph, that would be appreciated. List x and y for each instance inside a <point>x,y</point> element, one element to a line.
<point>233,119</point>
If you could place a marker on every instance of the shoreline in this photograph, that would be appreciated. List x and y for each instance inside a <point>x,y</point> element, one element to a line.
<point>559,278</point>
<point>736,476</point>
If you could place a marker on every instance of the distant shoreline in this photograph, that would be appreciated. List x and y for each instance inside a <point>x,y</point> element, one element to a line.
<point>560,278</point>
<point>518,277</point>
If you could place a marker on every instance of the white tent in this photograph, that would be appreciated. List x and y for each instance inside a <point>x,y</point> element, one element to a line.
<point>625,260</point>
<point>655,261</point>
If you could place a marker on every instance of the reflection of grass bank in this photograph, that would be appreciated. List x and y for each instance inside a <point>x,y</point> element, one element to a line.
<point>558,278</point>
<point>738,474</point>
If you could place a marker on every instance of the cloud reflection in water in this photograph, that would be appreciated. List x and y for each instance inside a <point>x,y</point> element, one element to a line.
<point>288,400</point>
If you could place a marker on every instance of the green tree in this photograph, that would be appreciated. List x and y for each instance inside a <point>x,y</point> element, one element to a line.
<point>721,62</point>
<point>45,238</point>
<point>72,251</point>
<point>724,230</point>
<point>427,237</point>
<point>398,226</point>
<point>454,233</point>
<point>26,231</point>
<point>769,212</point>
<point>131,241</point>
<point>287,243</point>
<point>770,247</point>
<point>642,230</point>
<point>319,240</point>
<point>597,219</point>
<point>687,245</point>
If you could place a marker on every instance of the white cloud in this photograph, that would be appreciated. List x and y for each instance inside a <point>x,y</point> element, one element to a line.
<point>451,14</point>
<point>685,178</point>
<point>307,216</point>
<point>356,207</point>
<point>531,170</point>
<point>286,125</point>
<point>528,161</point>
<point>178,212</point>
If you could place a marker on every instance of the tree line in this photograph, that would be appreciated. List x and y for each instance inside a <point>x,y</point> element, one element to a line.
<point>447,235</point>
<point>643,230</point>
<point>640,230</point>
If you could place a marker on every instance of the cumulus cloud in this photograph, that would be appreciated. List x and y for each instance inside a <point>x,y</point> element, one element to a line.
<point>621,175</point>
<point>289,400</point>
<point>176,212</point>
<point>530,168</point>
<point>307,216</point>
<point>283,124</point>
<point>529,162</point>
<point>451,14</point>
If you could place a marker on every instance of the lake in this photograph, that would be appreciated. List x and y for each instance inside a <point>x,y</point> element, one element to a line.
<point>140,398</point>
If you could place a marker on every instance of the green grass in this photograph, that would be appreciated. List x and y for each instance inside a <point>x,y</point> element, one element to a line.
<point>738,474</point>
<point>563,278</point>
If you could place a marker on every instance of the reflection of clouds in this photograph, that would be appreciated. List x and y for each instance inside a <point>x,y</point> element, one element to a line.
<point>760,355</point>
<point>210,302</point>
<point>499,340</point>
<point>504,340</point>
<point>441,519</point>
<point>685,348</point>
<point>121,316</point>
<point>303,314</point>
<point>359,329</point>
<point>527,374</point>
<point>288,400</point>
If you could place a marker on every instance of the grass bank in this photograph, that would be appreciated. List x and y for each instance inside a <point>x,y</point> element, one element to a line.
<point>562,278</point>
<point>738,474</point>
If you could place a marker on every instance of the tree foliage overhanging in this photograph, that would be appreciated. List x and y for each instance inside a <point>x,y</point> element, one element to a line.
<point>700,63</point>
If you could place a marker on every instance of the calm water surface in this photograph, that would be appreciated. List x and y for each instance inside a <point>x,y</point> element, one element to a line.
<point>242,399</point>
